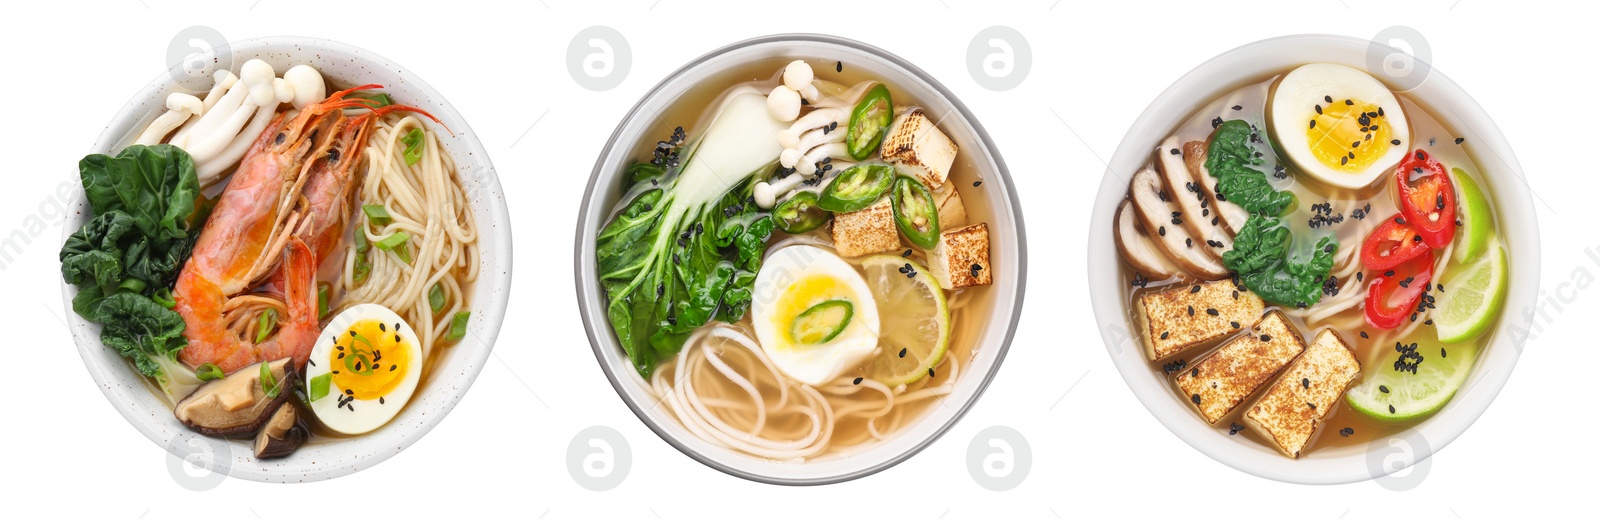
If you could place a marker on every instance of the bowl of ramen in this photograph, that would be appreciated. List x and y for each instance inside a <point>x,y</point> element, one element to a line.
<point>800,259</point>
<point>292,266</point>
<point>1314,268</point>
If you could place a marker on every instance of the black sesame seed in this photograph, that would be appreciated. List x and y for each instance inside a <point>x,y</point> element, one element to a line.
<point>1235,324</point>
<point>906,254</point>
<point>1191,310</point>
<point>1383,389</point>
<point>1265,337</point>
<point>1195,398</point>
<point>977,183</point>
<point>1194,289</point>
<point>1460,140</point>
<point>1164,335</point>
<point>1391,408</point>
<point>902,353</point>
<point>1364,334</point>
<point>1211,312</point>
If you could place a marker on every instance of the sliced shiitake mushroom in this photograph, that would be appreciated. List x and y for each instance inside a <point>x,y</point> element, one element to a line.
<point>281,435</point>
<point>1138,250</point>
<point>1183,190</point>
<point>1232,216</point>
<point>236,405</point>
<point>1156,213</point>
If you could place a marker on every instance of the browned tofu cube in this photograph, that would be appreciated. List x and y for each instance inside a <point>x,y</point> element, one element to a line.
<point>921,150</point>
<point>952,212</point>
<point>1220,382</point>
<point>961,259</point>
<point>868,231</point>
<point>1176,319</point>
<point>1289,412</point>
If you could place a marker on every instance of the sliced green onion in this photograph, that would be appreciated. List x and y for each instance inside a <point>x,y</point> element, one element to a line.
<point>319,386</point>
<point>436,298</point>
<point>132,285</point>
<point>396,243</point>
<point>208,371</point>
<point>164,297</point>
<point>266,324</point>
<point>413,142</point>
<point>458,326</point>
<point>269,383</point>
<point>375,100</point>
<point>377,213</point>
<point>322,300</point>
<point>363,264</point>
<point>394,240</point>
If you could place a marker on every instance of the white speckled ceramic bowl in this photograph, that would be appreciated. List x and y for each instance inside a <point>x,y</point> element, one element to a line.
<point>1344,464</point>
<point>1008,249</point>
<point>449,377</point>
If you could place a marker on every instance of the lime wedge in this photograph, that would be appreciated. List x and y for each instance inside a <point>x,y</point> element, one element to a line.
<point>914,320</point>
<point>1472,299</point>
<point>1473,210</point>
<point>1390,394</point>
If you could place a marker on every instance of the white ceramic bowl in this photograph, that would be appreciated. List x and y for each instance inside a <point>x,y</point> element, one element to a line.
<point>449,378</point>
<point>1249,64</point>
<point>1008,255</point>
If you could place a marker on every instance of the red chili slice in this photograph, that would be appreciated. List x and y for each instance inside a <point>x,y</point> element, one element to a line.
<point>1391,299</point>
<point>1427,198</point>
<point>1392,243</point>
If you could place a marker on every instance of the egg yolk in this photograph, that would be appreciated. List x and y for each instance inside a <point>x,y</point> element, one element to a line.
<point>800,296</point>
<point>370,359</point>
<point>1348,135</point>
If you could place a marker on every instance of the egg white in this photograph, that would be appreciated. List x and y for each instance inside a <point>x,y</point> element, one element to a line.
<point>813,364</point>
<point>367,415</point>
<point>1293,102</point>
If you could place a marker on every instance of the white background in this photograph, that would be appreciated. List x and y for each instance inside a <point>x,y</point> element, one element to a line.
<point>66,451</point>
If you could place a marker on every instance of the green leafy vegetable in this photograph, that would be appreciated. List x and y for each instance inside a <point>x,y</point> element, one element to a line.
<point>1261,256</point>
<point>1229,158</point>
<point>209,371</point>
<point>126,258</point>
<point>687,244</point>
<point>413,141</point>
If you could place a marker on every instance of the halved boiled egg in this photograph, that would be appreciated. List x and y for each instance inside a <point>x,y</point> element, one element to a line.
<point>363,370</point>
<point>813,314</point>
<point>1338,124</point>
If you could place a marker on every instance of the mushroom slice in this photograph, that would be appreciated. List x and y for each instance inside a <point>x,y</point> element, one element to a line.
<point>281,435</point>
<point>1137,249</point>
<point>236,405</point>
<point>1156,213</point>
<point>1233,216</point>
<point>1192,201</point>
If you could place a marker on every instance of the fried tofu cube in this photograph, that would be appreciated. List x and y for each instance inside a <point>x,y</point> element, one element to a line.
<point>1176,319</point>
<point>868,231</point>
<point>952,212</point>
<point>921,150</point>
<point>961,259</point>
<point>1222,380</point>
<point>1290,410</point>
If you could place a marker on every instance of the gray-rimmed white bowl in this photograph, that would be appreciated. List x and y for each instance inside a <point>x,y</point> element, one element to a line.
<point>1488,148</point>
<point>1008,249</point>
<point>448,379</point>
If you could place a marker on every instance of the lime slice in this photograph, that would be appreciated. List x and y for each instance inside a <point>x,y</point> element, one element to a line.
<point>913,320</point>
<point>1473,210</point>
<point>1472,297</point>
<point>1392,395</point>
